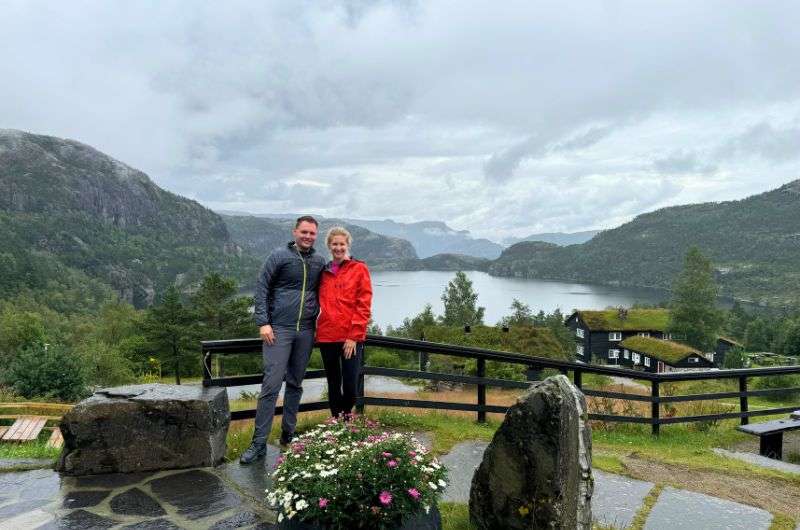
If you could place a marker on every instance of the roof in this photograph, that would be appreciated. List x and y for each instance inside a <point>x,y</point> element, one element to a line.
<point>636,319</point>
<point>539,342</point>
<point>664,350</point>
<point>731,341</point>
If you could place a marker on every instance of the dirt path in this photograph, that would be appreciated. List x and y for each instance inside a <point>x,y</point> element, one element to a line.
<point>773,495</point>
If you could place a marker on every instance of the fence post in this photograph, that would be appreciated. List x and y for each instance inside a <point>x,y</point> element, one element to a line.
<point>423,361</point>
<point>360,385</point>
<point>481,391</point>
<point>577,377</point>
<point>655,409</point>
<point>743,399</point>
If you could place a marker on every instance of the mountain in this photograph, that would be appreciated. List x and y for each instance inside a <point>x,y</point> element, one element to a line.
<point>259,235</point>
<point>434,237</point>
<point>69,213</point>
<point>449,262</point>
<point>558,238</point>
<point>754,244</point>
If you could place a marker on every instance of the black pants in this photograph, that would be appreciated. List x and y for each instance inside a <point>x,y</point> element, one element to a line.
<point>342,375</point>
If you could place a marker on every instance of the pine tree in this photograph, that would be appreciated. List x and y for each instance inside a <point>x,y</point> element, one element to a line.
<point>693,312</point>
<point>219,313</point>
<point>460,303</point>
<point>168,328</point>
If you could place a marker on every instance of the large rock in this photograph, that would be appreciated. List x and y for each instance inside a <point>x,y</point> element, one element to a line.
<point>145,428</point>
<point>537,472</point>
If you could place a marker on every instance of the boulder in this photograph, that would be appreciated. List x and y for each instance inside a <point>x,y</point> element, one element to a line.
<point>536,473</point>
<point>145,428</point>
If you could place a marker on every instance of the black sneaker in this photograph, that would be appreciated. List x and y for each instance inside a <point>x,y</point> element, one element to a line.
<point>286,438</point>
<point>253,453</point>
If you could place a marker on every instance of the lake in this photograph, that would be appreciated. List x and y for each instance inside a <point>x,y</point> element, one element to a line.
<point>398,295</point>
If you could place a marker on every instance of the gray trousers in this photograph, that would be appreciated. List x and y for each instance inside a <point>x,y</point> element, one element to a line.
<point>286,358</point>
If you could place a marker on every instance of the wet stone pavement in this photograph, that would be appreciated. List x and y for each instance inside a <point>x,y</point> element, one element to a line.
<point>229,496</point>
<point>232,496</point>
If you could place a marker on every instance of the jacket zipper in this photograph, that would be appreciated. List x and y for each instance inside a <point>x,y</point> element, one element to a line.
<point>302,292</point>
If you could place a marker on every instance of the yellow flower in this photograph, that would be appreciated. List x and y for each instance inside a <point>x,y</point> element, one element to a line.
<point>524,510</point>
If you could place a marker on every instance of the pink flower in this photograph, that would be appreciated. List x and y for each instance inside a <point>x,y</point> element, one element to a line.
<point>414,493</point>
<point>385,498</point>
<point>392,463</point>
<point>323,502</point>
<point>281,460</point>
<point>412,453</point>
<point>387,455</point>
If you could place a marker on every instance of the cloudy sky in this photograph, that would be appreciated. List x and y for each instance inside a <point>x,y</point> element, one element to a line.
<point>503,118</point>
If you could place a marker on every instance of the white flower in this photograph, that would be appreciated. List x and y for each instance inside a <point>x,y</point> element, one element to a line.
<point>296,455</point>
<point>435,465</point>
<point>280,517</point>
<point>302,504</point>
<point>330,451</point>
<point>432,485</point>
<point>418,458</point>
<point>427,509</point>
<point>442,483</point>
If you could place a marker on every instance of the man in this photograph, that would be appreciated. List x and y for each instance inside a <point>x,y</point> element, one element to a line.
<point>286,308</point>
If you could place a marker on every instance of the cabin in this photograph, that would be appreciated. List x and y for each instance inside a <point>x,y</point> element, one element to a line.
<point>659,355</point>
<point>724,345</point>
<point>598,334</point>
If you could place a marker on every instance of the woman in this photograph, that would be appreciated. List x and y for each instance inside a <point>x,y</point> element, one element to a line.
<point>345,299</point>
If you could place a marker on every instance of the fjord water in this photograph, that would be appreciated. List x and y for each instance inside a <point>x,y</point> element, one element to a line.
<point>398,295</point>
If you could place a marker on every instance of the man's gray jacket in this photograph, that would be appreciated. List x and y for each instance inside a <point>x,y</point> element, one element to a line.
<point>286,293</point>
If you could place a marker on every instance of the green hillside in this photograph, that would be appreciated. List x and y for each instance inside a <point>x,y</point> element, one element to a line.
<point>754,244</point>
<point>75,220</point>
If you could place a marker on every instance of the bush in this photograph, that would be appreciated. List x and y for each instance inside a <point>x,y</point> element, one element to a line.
<point>779,381</point>
<point>351,474</point>
<point>735,358</point>
<point>50,373</point>
<point>384,358</point>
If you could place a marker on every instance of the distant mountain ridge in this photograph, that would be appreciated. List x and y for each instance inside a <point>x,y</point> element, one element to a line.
<point>754,244</point>
<point>428,238</point>
<point>561,239</point>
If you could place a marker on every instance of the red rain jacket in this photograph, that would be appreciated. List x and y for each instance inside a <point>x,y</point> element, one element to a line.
<point>345,301</point>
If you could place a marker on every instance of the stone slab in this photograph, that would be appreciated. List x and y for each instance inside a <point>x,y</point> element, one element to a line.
<point>461,463</point>
<point>196,493</point>
<point>83,498</point>
<point>616,498</point>
<point>26,463</point>
<point>761,461</point>
<point>136,502</point>
<point>685,510</point>
<point>253,479</point>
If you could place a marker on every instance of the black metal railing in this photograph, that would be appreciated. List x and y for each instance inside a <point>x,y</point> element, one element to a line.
<point>534,365</point>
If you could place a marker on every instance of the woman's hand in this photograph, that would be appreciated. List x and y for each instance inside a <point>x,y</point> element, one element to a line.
<point>349,348</point>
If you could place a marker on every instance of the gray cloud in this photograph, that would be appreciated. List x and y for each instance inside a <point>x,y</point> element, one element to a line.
<point>416,110</point>
<point>778,144</point>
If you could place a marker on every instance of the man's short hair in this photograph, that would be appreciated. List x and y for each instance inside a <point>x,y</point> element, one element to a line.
<point>306,219</point>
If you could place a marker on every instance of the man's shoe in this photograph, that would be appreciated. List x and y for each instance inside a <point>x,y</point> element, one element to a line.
<point>253,453</point>
<point>286,438</point>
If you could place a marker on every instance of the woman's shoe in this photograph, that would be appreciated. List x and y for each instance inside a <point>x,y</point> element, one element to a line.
<point>253,453</point>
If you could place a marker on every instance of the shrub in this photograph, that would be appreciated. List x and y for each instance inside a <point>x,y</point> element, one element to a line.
<point>351,474</point>
<point>779,381</point>
<point>51,373</point>
<point>384,358</point>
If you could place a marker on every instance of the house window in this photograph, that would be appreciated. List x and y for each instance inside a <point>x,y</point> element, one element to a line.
<point>636,358</point>
<point>643,334</point>
<point>613,354</point>
<point>694,360</point>
<point>579,332</point>
<point>615,335</point>
<point>627,354</point>
<point>647,361</point>
<point>579,349</point>
<point>667,336</point>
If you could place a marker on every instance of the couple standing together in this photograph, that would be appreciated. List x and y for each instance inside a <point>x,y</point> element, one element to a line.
<point>301,299</point>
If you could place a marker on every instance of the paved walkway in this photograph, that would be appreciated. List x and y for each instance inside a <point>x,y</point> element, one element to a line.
<point>232,496</point>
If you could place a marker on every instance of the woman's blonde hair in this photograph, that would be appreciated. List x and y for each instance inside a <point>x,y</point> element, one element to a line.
<point>338,231</point>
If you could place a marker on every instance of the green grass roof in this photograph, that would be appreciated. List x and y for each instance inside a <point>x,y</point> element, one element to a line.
<point>539,342</point>
<point>663,350</point>
<point>637,319</point>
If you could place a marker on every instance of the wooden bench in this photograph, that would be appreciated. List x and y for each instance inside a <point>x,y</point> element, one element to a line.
<point>770,434</point>
<point>25,429</point>
<point>56,439</point>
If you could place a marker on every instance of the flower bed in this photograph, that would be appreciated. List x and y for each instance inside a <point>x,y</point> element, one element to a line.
<point>350,473</point>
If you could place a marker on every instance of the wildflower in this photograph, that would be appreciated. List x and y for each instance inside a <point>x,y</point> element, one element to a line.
<point>442,483</point>
<point>392,463</point>
<point>414,492</point>
<point>387,454</point>
<point>323,502</point>
<point>412,453</point>
<point>432,485</point>
<point>385,498</point>
<point>302,504</point>
<point>280,517</point>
